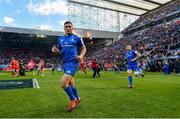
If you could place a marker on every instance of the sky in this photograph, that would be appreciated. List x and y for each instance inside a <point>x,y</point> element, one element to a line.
<point>36,14</point>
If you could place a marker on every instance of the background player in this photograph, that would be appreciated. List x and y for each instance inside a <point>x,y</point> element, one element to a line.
<point>132,57</point>
<point>83,67</point>
<point>15,67</point>
<point>140,66</point>
<point>42,63</point>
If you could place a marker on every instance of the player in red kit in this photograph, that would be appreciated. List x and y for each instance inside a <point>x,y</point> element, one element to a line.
<point>83,67</point>
<point>42,63</point>
<point>98,69</point>
<point>14,66</point>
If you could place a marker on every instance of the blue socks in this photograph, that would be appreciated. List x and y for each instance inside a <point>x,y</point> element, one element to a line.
<point>130,80</point>
<point>70,93</point>
<point>74,90</point>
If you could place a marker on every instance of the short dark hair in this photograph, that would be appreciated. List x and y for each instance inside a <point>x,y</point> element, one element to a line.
<point>67,22</point>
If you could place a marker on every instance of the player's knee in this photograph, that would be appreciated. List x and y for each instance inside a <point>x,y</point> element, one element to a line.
<point>129,74</point>
<point>129,71</point>
<point>63,84</point>
<point>72,83</point>
<point>136,73</point>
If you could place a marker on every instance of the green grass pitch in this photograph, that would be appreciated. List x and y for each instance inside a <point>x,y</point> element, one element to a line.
<point>155,95</point>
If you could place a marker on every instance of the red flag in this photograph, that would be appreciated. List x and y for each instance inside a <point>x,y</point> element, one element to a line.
<point>31,64</point>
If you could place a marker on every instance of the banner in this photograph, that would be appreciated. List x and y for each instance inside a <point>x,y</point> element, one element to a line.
<point>15,84</point>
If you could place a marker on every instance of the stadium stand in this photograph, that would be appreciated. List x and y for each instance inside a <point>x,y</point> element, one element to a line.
<point>160,13</point>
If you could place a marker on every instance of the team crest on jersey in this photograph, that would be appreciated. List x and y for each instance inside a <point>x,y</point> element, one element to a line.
<point>69,71</point>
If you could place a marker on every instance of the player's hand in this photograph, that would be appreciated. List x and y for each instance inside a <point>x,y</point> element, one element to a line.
<point>54,49</point>
<point>79,58</point>
<point>133,60</point>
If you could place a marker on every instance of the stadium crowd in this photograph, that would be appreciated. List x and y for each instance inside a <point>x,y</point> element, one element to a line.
<point>157,14</point>
<point>27,54</point>
<point>155,43</point>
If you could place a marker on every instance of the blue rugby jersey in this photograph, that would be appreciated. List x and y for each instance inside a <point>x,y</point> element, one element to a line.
<point>131,55</point>
<point>68,45</point>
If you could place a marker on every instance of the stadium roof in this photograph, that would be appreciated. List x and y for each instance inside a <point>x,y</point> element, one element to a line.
<point>133,7</point>
<point>81,32</point>
<point>29,31</point>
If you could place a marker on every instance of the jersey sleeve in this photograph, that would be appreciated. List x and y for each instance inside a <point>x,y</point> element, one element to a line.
<point>134,52</point>
<point>125,55</point>
<point>80,42</point>
<point>58,44</point>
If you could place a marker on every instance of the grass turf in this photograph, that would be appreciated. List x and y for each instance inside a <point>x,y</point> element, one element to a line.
<point>155,95</point>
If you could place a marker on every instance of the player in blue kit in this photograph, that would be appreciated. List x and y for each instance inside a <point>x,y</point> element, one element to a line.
<point>68,46</point>
<point>132,62</point>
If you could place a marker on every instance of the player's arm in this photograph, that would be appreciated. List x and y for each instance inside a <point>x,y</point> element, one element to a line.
<point>55,49</point>
<point>83,52</point>
<point>138,55</point>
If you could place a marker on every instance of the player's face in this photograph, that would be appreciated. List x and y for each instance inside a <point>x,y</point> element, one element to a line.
<point>128,47</point>
<point>68,28</point>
